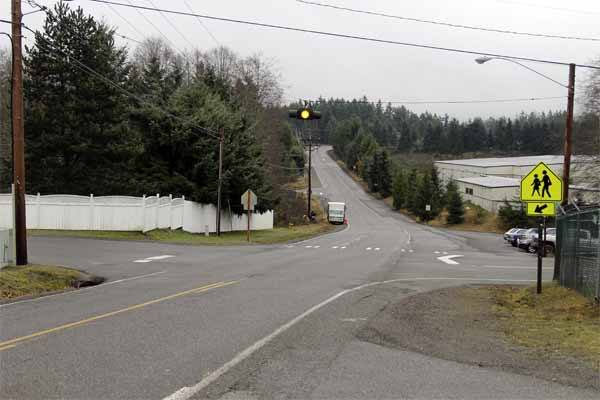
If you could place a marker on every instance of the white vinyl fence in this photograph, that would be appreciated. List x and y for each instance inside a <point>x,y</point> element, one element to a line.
<point>125,213</point>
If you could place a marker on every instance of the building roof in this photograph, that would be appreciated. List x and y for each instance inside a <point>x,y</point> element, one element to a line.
<point>491,181</point>
<point>508,161</point>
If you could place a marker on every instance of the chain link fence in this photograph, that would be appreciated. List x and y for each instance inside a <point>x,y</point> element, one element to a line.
<point>578,245</point>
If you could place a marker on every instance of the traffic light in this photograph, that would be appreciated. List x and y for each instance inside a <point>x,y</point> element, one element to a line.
<point>305,114</point>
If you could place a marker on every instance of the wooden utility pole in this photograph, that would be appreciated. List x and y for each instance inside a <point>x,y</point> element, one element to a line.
<point>221,137</point>
<point>568,135</point>
<point>566,163</point>
<point>18,137</point>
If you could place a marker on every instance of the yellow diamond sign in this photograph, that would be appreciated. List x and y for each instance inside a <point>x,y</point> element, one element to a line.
<point>541,184</point>
<point>541,209</point>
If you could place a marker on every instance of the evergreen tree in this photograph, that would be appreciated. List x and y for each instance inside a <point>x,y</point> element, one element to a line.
<point>424,196</point>
<point>399,191</point>
<point>456,211</point>
<point>77,140</point>
<point>411,184</point>
<point>438,193</point>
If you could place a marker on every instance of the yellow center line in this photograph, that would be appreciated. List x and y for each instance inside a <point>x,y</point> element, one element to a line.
<point>13,342</point>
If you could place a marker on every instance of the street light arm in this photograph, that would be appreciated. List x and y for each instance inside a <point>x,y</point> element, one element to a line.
<point>482,60</point>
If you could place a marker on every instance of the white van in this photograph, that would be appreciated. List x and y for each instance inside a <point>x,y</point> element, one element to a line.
<point>336,212</point>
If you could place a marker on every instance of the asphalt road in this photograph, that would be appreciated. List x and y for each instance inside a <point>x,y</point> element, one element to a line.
<point>255,321</point>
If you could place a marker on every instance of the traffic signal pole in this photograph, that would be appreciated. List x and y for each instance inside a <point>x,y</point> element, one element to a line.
<point>306,114</point>
<point>309,172</point>
<point>18,137</point>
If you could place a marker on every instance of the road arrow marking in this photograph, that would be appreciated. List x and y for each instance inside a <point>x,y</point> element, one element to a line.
<point>160,257</point>
<point>448,259</point>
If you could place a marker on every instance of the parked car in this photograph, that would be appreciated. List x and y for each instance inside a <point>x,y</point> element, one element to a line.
<point>508,235</point>
<point>515,236</point>
<point>549,243</point>
<point>525,239</point>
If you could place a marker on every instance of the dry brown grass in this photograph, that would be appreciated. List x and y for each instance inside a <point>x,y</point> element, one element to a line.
<point>559,320</point>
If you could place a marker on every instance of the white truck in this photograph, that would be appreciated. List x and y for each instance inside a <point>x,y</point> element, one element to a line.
<point>336,212</point>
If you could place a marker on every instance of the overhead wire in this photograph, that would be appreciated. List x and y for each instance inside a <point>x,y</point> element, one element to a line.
<point>173,25</point>
<point>137,9</point>
<point>346,36</point>
<point>126,20</point>
<point>512,100</point>
<point>447,24</point>
<point>203,25</point>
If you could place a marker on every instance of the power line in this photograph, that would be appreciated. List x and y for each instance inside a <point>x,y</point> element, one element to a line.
<point>136,7</point>
<point>514,100</point>
<point>346,36</point>
<point>173,26</point>
<point>204,25</point>
<point>50,47</point>
<point>126,20</point>
<point>128,38</point>
<point>426,21</point>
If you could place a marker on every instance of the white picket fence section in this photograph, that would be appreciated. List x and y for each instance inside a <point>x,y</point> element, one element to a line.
<point>126,213</point>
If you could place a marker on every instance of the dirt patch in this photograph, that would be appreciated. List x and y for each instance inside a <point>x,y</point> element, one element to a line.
<point>466,325</point>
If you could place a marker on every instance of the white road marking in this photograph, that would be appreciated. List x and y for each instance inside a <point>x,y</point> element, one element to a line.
<point>411,251</point>
<point>436,252</point>
<point>343,247</point>
<point>145,260</point>
<point>316,247</point>
<point>403,250</point>
<point>377,249</point>
<point>159,257</point>
<point>352,319</point>
<point>82,289</point>
<point>448,259</point>
<point>187,392</point>
<point>334,247</point>
<point>368,248</point>
<point>513,267</point>
<point>445,252</point>
<point>289,246</point>
<point>308,247</point>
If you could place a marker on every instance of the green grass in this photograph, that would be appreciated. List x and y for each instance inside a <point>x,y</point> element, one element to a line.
<point>276,235</point>
<point>35,280</point>
<point>560,320</point>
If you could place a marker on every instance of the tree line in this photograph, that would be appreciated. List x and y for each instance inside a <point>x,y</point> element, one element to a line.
<point>401,130</point>
<point>105,119</point>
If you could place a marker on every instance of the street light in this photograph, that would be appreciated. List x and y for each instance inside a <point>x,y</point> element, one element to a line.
<point>569,127</point>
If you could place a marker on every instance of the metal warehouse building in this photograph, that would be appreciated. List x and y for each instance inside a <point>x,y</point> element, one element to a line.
<point>489,192</point>
<point>508,167</point>
<point>489,182</point>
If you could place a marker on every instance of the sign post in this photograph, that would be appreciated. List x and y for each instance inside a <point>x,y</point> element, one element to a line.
<point>541,189</point>
<point>249,201</point>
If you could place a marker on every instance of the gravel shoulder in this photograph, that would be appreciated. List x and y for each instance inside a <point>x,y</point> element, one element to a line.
<point>461,324</point>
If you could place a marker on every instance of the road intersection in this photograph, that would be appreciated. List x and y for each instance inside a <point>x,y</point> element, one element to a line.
<point>268,321</point>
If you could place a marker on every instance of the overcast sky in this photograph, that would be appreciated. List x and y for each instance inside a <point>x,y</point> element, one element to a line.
<point>313,66</point>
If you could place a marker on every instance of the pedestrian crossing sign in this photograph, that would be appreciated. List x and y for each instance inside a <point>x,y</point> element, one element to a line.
<point>541,184</point>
